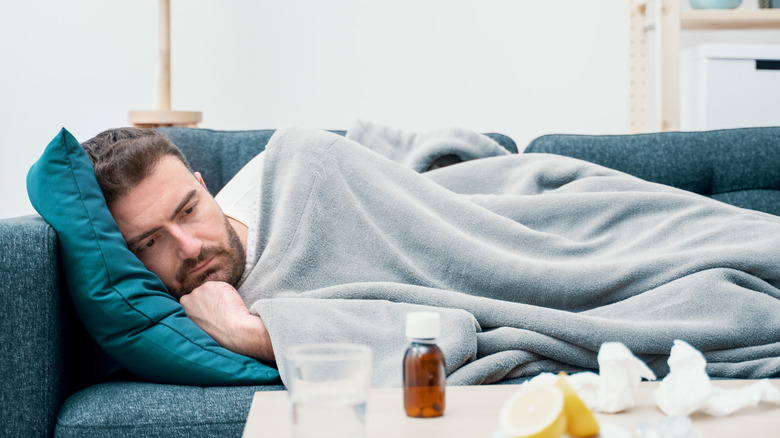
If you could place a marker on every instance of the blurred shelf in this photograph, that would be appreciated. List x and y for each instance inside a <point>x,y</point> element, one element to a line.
<point>724,19</point>
<point>668,20</point>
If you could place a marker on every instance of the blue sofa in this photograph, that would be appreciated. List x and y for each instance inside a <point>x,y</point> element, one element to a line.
<point>54,380</point>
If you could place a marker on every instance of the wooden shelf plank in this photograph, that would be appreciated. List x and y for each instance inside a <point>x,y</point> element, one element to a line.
<point>730,19</point>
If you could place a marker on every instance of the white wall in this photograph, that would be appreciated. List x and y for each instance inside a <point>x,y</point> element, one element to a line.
<point>521,67</point>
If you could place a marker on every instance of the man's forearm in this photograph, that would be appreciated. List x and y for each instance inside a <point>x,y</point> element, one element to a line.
<point>217,308</point>
<point>251,339</point>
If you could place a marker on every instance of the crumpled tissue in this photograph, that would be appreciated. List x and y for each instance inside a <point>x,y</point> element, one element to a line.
<point>687,388</point>
<point>619,372</point>
<point>610,390</point>
<point>668,427</point>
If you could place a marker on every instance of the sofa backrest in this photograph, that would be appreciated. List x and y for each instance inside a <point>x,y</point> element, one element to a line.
<point>737,166</point>
<point>218,155</point>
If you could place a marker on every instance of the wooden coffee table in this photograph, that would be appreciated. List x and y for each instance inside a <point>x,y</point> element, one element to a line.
<point>472,411</point>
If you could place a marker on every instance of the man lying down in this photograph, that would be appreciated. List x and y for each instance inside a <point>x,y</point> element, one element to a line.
<point>532,260</point>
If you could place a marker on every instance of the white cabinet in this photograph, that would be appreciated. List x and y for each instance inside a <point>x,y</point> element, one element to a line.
<point>729,86</point>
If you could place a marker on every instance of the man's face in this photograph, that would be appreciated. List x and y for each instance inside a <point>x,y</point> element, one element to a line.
<point>174,226</point>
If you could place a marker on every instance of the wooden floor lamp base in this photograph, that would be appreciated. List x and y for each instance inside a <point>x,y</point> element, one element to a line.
<point>157,118</point>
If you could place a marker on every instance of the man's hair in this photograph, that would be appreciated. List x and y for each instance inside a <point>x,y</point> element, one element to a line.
<point>123,157</point>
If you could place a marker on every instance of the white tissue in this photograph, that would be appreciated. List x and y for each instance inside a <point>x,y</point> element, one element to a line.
<point>610,390</point>
<point>727,401</point>
<point>687,388</point>
<point>668,427</point>
<point>619,372</point>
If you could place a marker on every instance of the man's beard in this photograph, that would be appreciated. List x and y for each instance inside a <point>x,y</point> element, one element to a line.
<point>229,269</point>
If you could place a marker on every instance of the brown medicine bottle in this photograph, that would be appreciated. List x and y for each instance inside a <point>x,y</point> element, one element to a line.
<point>423,375</point>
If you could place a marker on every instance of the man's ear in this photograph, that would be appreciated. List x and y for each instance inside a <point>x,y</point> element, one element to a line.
<point>200,179</point>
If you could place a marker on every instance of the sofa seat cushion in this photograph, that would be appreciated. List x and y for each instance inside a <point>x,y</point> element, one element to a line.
<point>155,410</point>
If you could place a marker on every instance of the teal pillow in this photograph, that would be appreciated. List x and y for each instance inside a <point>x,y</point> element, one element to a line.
<point>124,306</point>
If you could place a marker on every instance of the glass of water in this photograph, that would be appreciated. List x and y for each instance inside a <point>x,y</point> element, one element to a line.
<point>328,386</point>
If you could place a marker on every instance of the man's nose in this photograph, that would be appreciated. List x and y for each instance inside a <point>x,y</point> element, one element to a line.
<point>189,245</point>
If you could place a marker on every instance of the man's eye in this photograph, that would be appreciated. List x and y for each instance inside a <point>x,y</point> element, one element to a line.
<point>149,243</point>
<point>189,210</point>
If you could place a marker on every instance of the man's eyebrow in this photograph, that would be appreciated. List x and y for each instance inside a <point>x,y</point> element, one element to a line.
<point>183,204</point>
<point>137,239</point>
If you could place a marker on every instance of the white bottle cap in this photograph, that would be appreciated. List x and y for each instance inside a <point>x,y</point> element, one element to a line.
<point>423,325</point>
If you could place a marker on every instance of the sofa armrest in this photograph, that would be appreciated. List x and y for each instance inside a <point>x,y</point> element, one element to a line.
<point>46,352</point>
<point>31,322</point>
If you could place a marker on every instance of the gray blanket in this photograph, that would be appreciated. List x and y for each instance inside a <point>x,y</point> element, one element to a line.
<point>422,151</point>
<point>532,260</point>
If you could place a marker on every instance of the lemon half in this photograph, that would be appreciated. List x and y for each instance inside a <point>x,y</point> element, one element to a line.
<point>534,411</point>
<point>580,421</point>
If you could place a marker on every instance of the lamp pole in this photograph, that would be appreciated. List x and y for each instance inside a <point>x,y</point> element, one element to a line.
<point>164,115</point>
<point>165,55</point>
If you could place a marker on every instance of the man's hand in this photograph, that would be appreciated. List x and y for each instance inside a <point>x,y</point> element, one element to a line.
<point>217,308</point>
